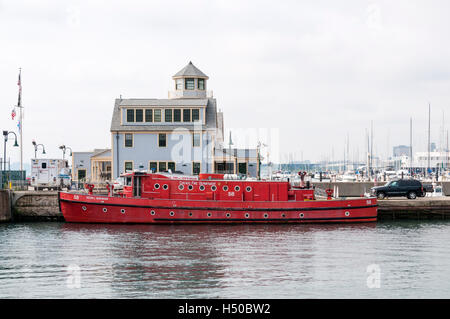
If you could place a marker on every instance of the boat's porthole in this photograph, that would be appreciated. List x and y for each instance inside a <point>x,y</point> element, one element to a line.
<point>247,215</point>
<point>283,215</point>
<point>156,186</point>
<point>237,188</point>
<point>302,215</point>
<point>83,208</point>
<point>202,188</point>
<point>190,187</point>
<point>165,186</point>
<point>347,213</point>
<point>213,188</point>
<point>248,189</point>
<point>181,187</point>
<point>225,188</point>
<point>152,212</point>
<point>190,214</point>
<point>209,214</point>
<point>228,215</point>
<point>105,209</point>
<point>172,213</point>
<point>266,215</point>
<point>122,211</point>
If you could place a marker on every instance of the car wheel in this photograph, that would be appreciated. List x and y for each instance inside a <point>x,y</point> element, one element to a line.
<point>381,195</point>
<point>412,195</point>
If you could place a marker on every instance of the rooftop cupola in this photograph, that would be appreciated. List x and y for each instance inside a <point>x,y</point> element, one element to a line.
<point>190,82</point>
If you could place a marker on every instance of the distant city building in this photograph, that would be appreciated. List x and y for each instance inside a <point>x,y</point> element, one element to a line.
<point>401,150</point>
<point>433,147</point>
<point>437,159</point>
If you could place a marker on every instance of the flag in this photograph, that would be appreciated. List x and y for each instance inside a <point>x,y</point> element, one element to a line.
<point>19,83</point>
<point>13,113</point>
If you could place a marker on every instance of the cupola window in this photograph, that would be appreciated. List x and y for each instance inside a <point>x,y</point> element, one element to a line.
<point>179,84</point>
<point>190,84</point>
<point>201,84</point>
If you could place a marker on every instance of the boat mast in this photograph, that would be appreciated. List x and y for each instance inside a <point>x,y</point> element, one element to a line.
<point>447,154</point>
<point>429,142</point>
<point>410,147</point>
<point>371,146</point>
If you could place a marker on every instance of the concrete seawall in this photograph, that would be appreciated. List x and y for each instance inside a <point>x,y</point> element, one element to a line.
<point>5,206</point>
<point>420,208</point>
<point>36,206</point>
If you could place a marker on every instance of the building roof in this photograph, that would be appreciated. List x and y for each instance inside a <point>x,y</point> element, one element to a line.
<point>211,112</point>
<point>190,70</point>
<point>164,102</point>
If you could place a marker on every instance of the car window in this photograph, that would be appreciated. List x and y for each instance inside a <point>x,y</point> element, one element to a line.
<point>394,184</point>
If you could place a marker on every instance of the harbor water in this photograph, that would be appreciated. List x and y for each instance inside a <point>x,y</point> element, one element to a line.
<point>395,259</point>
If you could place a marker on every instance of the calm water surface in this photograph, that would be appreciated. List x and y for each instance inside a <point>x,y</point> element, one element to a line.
<point>62,260</point>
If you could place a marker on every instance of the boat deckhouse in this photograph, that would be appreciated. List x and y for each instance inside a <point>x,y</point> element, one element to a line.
<point>183,133</point>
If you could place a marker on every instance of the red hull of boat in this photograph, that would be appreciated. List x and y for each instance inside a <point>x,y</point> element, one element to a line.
<point>85,208</point>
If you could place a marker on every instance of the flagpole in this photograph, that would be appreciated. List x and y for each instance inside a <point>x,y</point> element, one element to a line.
<point>20,119</point>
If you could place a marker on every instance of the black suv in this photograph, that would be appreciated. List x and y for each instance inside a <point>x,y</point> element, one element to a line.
<point>410,188</point>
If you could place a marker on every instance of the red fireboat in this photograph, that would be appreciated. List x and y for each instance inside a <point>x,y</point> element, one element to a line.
<point>162,198</point>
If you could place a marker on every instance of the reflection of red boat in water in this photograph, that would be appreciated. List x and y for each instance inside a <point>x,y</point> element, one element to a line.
<point>209,198</point>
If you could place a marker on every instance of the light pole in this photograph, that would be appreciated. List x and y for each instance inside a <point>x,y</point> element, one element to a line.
<point>63,148</point>
<point>5,135</point>
<point>36,148</point>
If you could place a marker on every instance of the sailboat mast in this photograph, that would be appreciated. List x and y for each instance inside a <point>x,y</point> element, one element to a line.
<point>410,147</point>
<point>429,141</point>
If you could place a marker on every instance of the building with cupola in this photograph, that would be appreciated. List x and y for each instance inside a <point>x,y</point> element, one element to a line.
<point>181,134</point>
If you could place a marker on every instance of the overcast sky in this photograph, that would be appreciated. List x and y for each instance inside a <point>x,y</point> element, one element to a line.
<point>314,71</point>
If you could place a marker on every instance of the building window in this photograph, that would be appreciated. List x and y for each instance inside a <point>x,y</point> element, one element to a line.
<point>242,167</point>
<point>139,115</point>
<point>157,115</point>
<point>128,140</point>
<point>162,140</point>
<point>128,166</point>
<point>153,166</point>
<point>186,115</point>
<point>162,166</point>
<point>179,84</point>
<point>177,115</point>
<point>81,174</point>
<point>171,166</point>
<point>195,168</point>
<point>196,139</point>
<point>195,115</point>
<point>148,115</point>
<point>190,84</point>
<point>168,115</point>
<point>130,115</point>
<point>201,84</point>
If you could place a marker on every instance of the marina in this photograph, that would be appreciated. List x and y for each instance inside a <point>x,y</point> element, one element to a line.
<point>224,150</point>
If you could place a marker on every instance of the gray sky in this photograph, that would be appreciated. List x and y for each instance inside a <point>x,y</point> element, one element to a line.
<point>313,70</point>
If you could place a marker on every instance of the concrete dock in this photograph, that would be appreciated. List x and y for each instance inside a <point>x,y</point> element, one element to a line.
<point>43,206</point>
<point>420,208</point>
